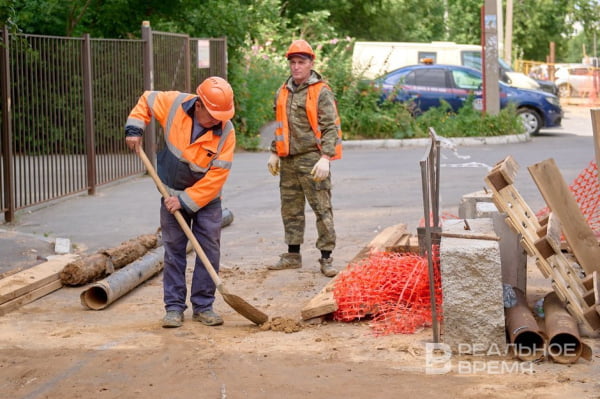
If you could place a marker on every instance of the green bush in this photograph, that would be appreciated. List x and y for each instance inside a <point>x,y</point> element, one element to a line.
<point>469,122</point>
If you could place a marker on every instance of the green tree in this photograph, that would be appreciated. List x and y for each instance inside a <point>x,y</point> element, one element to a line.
<point>536,23</point>
<point>379,20</point>
<point>463,21</point>
<point>99,18</point>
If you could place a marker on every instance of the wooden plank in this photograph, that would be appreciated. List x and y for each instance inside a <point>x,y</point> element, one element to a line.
<point>596,288</point>
<point>554,231</point>
<point>488,237</point>
<point>30,279</point>
<point>539,239</point>
<point>408,243</point>
<point>561,201</point>
<point>385,238</point>
<point>321,304</point>
<point>30,296</point>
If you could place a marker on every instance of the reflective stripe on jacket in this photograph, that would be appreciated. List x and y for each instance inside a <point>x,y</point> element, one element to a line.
<point>195,172</point>
<point>282,134</point>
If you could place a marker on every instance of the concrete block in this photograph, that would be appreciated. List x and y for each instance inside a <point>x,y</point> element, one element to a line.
<point>479,204</point>
<point>485,209</point>
<point>62,246</point>
<point>468,203</point>
<point>471,275</point>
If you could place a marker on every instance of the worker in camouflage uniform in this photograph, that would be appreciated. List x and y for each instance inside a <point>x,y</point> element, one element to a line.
<point>307,138</point>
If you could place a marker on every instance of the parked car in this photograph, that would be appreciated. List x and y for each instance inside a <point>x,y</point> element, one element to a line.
<point>513,78</point>
<point>540,74</point>
<point>576,80</point>
<point>426,85</point>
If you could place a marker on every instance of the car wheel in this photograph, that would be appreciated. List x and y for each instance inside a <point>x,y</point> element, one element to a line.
<point>564,90</point>
<point>531,120</point>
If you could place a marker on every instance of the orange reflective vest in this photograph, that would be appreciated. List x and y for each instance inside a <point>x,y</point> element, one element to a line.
<point>208,158</point>
<point>282,134</point>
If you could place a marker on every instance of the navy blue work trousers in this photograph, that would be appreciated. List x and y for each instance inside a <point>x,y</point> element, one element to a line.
<point>206,226</point>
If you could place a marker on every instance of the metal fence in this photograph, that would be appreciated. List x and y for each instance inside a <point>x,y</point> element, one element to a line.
<point>64,102</point>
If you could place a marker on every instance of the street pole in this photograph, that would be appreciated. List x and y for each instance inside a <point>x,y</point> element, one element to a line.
<point>490,67</point>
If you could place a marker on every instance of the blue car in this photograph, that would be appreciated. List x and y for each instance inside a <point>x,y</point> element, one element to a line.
<point>425,85</point>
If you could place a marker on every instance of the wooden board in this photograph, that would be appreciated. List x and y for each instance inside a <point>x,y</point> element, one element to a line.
<point>35,277</point>
<point>321,304</point>
<point>29,296</point>
<point>386,238</point>
<point>539,240</point>
<point>562,203</point>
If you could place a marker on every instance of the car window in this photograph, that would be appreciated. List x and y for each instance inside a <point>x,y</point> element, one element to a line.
<point>465,80</point>
<point>393,79</point>
<point>471,59</point>
<point>431,77</point>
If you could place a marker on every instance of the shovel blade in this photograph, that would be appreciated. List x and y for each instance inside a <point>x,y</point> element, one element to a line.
<point>245,309</point>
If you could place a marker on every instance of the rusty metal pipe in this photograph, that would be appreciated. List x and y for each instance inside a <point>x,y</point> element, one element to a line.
<point>564,344</point>
<point>106,291</point>
<point>527,340</point>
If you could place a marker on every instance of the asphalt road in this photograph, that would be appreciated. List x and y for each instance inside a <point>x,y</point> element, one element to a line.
<point>372,189</point>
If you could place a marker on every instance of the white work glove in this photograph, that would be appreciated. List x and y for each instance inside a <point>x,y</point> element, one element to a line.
<point>321,170</point>
<point>273,164</point>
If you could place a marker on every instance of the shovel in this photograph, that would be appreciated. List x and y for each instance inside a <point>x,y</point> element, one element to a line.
<point>237,303</point>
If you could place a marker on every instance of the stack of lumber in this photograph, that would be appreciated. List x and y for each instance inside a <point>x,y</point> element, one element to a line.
<point>30,284</point>
<point>392,239</point>
<point>573,276</point>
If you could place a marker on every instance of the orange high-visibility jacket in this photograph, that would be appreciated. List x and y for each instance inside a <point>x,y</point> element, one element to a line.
<point>208,159</point>
<point>282,134</point>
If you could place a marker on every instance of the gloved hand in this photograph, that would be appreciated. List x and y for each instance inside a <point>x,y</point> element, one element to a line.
<point>273,164</point>
<point>321,170</point>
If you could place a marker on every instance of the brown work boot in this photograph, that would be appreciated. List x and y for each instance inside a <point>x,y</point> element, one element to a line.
<point>287,260</point>
<point>208,318</point>
<point>327,267</point>
<point>172,319</point>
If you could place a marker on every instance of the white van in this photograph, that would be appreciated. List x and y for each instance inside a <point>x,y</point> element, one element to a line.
<point>373,59</point>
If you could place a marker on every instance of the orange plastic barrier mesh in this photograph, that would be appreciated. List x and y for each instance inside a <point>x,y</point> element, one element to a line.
<point>586,190</point>
<point>392,289</point>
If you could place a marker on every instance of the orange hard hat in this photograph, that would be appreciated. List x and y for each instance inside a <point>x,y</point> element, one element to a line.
<point>217,96</point>
<point>300,47</point>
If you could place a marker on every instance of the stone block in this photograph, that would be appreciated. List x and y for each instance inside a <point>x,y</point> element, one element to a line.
<point>468,203</point>
<point>471,275</point>
<point>485,209</point>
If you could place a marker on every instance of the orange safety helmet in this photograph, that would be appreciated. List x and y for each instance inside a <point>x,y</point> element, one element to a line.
<point>300,47</point>
<point>217,96</point>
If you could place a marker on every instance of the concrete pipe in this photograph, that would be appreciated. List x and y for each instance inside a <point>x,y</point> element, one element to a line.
<point>564,344</point>
<point>527,340</point>
<point>106,291</point>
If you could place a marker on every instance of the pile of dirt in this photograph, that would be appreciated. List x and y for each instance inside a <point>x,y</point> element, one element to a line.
<point>283,324</point>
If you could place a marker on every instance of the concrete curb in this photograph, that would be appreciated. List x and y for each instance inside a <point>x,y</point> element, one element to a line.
<point>463,141</point>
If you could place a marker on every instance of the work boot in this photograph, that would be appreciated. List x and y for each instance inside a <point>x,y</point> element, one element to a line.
<point>327,267</point>
<point>287,260</point>
<point>208,318</point>
<point>173,318</point>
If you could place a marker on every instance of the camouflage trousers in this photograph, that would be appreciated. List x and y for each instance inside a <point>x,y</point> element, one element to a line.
<point>296,187</point>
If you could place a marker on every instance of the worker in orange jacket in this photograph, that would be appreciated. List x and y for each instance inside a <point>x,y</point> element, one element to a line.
<point>194,165</point>
<point>307,138</point>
